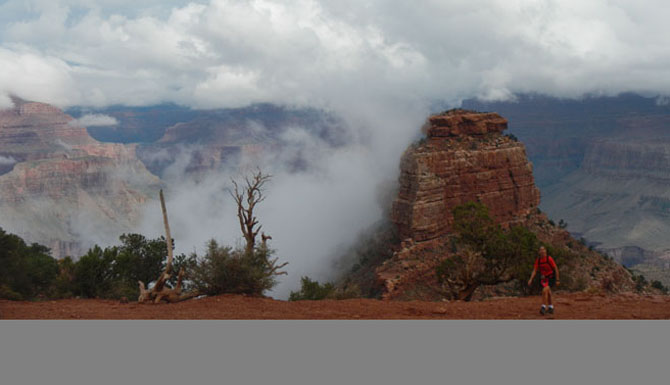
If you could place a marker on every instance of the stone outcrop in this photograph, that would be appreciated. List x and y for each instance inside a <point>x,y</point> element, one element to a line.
<point>465,158</point>
<point>463,122</point>
<point>64,189</point>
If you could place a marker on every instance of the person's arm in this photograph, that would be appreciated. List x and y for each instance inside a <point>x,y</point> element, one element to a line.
<point>558,280</point>
<point>530,281</point>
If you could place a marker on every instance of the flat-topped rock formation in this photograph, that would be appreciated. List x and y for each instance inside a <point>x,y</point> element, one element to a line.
<point>465,158</point>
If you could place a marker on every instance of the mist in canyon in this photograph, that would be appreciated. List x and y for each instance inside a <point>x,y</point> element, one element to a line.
<point>313,213</point>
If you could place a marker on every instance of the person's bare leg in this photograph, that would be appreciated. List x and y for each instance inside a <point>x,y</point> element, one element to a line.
<point>549,296</point>
<point>545,294</point>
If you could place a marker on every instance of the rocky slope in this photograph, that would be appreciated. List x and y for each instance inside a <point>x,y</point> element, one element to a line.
<point>62,188</point>
<point>465,157</point>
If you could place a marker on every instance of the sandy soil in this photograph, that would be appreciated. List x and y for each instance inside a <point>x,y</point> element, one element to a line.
<point>568,306</point>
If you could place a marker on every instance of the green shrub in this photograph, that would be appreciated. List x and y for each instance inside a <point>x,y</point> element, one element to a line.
<point>512,137</point>
<point>114,272</point>
<point>640,282</point>
<point>227,270</point>
<point>658,285</point>
<point>7,293</point>
<point>64,285</point>
<point>94,272</point>
<point>312,290</point>
<point>484,254</point>
<point>25,271</point>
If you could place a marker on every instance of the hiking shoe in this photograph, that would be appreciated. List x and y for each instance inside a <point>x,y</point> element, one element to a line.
<point>550,310</point>
<point>543,310</point>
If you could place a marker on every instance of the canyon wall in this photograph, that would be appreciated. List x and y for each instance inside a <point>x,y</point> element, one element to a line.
<point>618,199</point>
<point>62,188</point>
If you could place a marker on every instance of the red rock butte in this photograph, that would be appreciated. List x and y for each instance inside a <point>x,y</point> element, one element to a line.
<point>465,158</point>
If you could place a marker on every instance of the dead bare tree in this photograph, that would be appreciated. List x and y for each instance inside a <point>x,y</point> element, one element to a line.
<point>264,239</point>
<point>246,198</point>
<point>159,292</point>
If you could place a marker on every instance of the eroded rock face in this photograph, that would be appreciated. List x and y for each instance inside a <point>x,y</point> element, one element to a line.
<point>60,186</point>
<point>465,158</point>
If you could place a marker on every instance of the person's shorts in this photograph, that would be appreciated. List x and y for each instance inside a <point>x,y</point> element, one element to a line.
<point>548,281</point>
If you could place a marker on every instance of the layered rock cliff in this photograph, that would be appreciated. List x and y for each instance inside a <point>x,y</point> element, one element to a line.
<point>61,187</point>
<point>465,158</point>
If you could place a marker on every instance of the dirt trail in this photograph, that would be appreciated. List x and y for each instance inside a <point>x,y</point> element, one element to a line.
<point>568,306</point>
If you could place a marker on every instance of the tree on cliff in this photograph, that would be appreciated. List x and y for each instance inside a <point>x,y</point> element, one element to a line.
<point>247,198</point>
<point>484,254</point>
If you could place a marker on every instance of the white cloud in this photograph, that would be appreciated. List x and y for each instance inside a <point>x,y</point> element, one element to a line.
<point>225,53</point>
<point>7,160</point>
<point>93,120</point>
<point>5,101</point>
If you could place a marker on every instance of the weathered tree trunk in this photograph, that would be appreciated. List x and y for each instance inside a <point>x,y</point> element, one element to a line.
<point>159,292</point>
<point>466,293</point>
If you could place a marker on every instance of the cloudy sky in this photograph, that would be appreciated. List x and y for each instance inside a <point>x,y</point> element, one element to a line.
<point>227,53</point>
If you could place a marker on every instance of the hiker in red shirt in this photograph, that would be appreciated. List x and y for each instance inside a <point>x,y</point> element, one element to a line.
<point>548,278</point>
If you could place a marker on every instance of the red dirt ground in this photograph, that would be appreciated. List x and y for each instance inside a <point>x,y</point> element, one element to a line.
<point>568,306</point>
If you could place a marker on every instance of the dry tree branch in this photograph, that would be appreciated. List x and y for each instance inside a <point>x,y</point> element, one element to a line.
<point>246,200</point>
